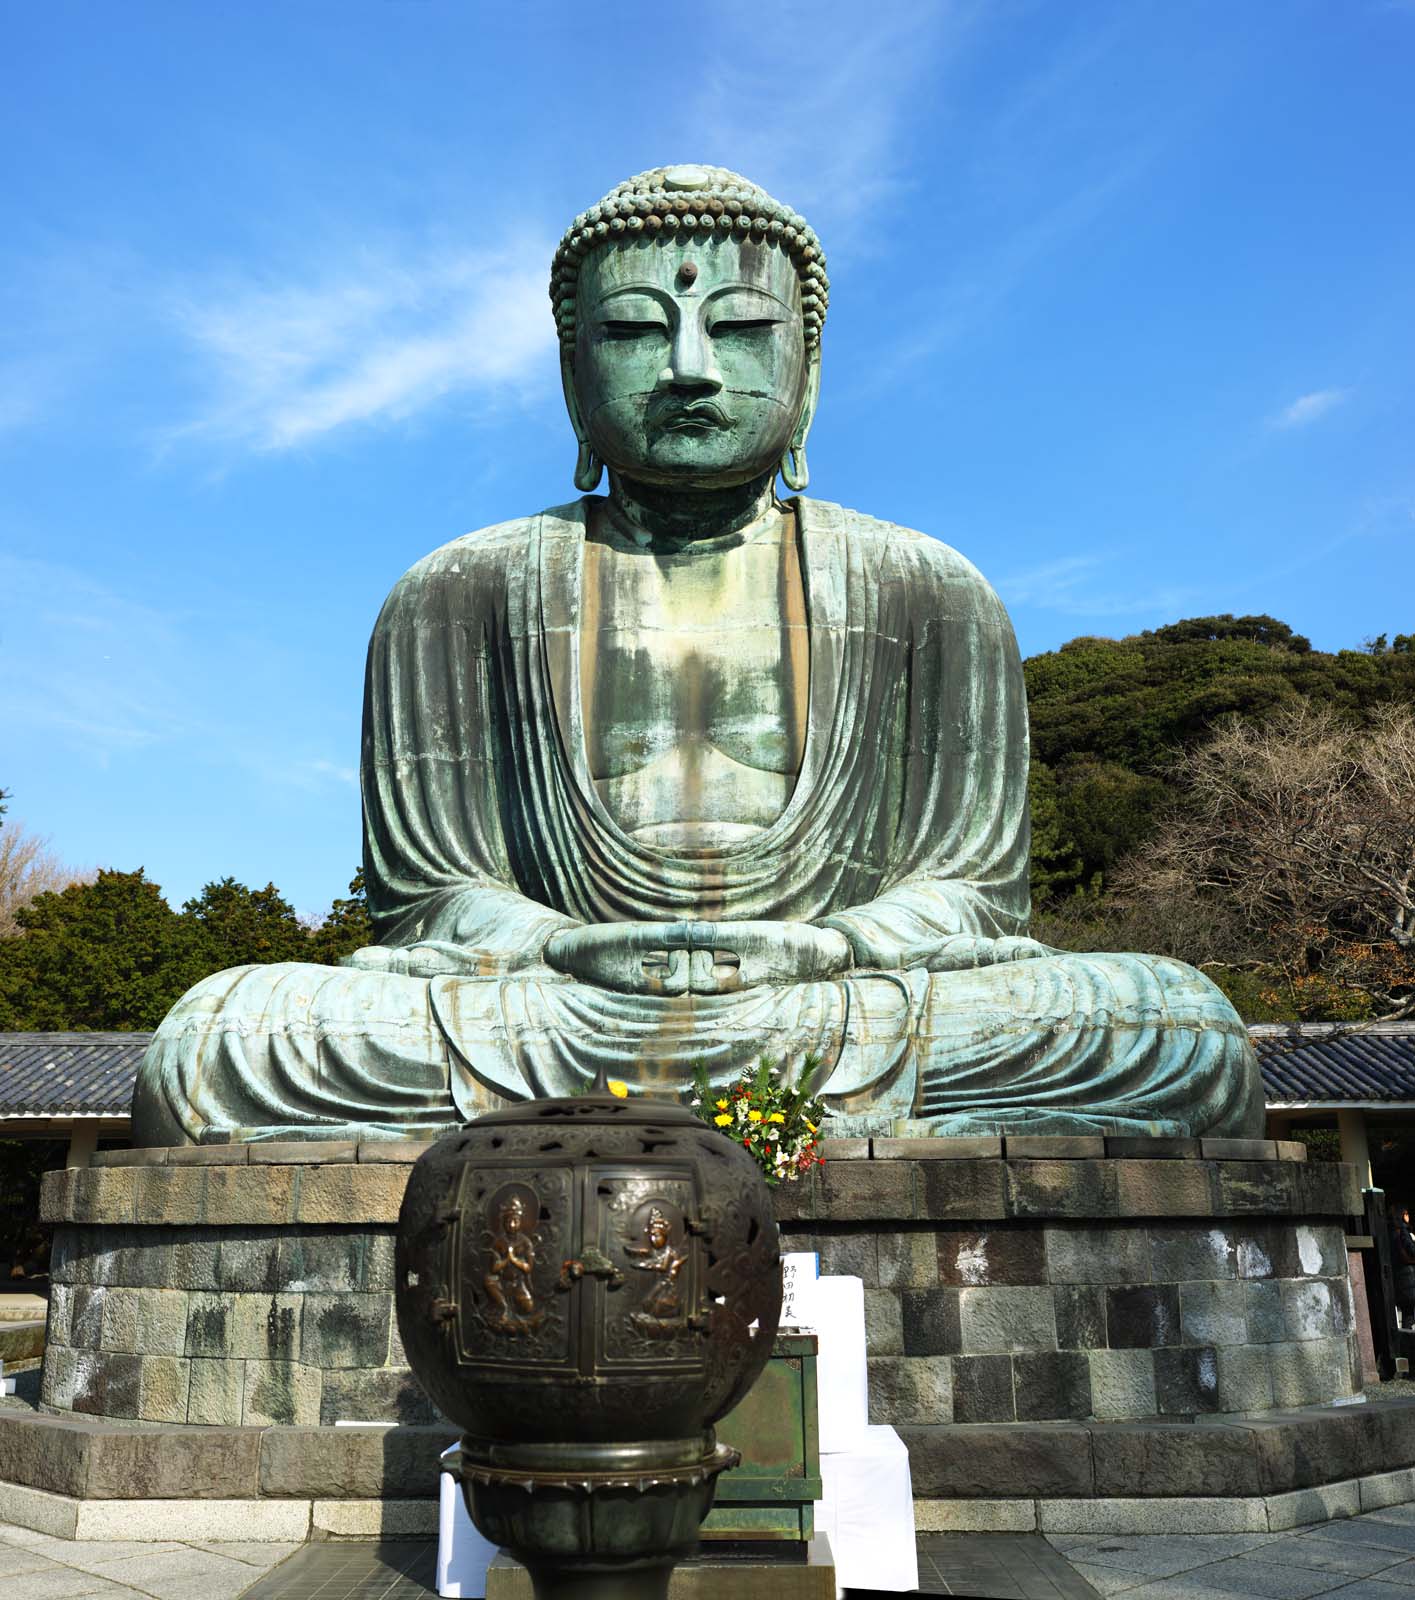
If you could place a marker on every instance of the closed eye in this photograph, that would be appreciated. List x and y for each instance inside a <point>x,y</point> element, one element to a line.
<point>632,330</point>
<point>742,325</point>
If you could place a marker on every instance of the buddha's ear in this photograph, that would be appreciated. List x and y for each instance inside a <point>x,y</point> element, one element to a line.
<point>589,469</point>
<point>793,464</point>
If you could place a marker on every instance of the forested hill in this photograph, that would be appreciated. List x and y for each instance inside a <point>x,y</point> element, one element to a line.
<point>1109,715</point>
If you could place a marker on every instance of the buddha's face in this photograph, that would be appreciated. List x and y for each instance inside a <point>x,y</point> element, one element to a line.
<point>690,360</point>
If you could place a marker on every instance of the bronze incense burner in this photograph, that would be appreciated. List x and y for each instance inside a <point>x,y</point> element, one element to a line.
<point>585,1286</point>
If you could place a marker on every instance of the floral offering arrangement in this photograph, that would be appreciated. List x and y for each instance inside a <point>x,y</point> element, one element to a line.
<point>767,1115</point>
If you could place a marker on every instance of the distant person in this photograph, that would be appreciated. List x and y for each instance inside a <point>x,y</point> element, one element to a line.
<point>1402,1260</point>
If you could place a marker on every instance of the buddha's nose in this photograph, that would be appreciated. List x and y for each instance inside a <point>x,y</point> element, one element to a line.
<point>690,361</point>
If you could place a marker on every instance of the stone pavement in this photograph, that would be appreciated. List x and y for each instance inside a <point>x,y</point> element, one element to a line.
<point>1370,1557</point>
<point>34,1566</point>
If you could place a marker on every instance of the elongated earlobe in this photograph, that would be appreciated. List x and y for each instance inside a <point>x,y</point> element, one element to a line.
<point>589,469</point>
<point>794,470</point>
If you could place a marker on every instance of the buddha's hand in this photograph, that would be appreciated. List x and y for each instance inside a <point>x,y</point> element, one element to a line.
<point>431,958</point>
<point>965,950</point>
<point>677,958</point>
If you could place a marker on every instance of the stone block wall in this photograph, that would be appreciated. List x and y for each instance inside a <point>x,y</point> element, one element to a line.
<point>245,1290</point>
<point>1051,1281</point>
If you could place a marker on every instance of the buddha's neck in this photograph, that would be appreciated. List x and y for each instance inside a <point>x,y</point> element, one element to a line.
<point>654,514</point>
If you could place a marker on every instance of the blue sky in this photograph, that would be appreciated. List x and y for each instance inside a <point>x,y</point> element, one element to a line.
<point>1123,306</point>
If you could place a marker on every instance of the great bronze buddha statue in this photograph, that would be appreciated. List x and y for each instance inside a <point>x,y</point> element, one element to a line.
<point>688,773</point>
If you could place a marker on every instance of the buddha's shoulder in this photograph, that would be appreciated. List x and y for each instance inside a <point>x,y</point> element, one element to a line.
<point>905,553</point>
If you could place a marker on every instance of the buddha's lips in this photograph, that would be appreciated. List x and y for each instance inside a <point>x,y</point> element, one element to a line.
<point>697,414</point>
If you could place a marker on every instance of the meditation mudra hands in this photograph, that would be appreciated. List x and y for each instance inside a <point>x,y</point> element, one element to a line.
<point>677,958</point>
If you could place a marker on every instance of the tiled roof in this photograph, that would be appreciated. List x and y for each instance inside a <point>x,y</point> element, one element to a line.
<point>57,1074</point>
<point>53,1074</point>
<point>1336,1062</point>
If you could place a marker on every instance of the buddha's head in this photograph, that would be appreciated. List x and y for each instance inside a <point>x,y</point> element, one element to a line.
<point>690,306</point>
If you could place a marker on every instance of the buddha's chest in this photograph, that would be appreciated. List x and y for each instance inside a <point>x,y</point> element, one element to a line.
<point>693,681</point>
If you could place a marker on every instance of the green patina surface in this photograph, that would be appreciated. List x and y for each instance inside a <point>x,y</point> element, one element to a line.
<point>687,772</point>
<point>772,1494</point>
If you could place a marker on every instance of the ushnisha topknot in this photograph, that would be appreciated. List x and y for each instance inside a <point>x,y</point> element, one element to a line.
<point>667,200</point>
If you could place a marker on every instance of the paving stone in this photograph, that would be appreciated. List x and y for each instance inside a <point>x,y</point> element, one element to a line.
<point>383,1394</point>
<point>1142,1148</point>
<point>284,1392</point>
<point>330,1261</point>
<point>1080,1316</point>
<point>908,1259</point>
<point>846,1255</point>
<point>995,1463</point>
<point>1062,1189</point>
<point>1181,1252</point>
<point>1132,1517</point>
<point>106,1384</point>
<point>930,1322</point>
<point>215,1391</point>
<point>1307,1309</point>
<point>373,1193</point>
<point>1214,1313</point>
<point>1097,1255</point>
<point>1186,1381</point>
<point>1244,1377</point>
<point>1165,1460</point>
<point>1303,1507</point>
<point>266,1327</point>
<point>884,1327</point>
<point>170,1194</point>
<point>1142,1316</point>
<point>1002,1255</point>
<point>1374,1532</point>
<point>1054,1147</point>
<point>162,1388</point>
<point>1267,1322</point>
<point>209,1318</point>
<point>87,1321</point>
<point>1051,1386</point>
<point>343,1463</point>
<point>261,1196</point>
<point>61,1310</point>
<point>983,1389</point>
<point>912,1389</point>
<point>249,1262</point>
<point>970,1148</point>
<point>1387,1489</point>
<point>1122,1384</point>
<point>120,1321</point>
<point>162,1322</point>
<point>1324,1555</point>
<point>1006,1319</point>
<point>975,1516</point>
<point>1264,1188</point>
<point>1309,1371</point>
<point>345,1330</point>
<point>1163,1189</point>
<point>961,1191</point>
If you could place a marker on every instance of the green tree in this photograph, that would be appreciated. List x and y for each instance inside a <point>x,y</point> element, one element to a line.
<point>347,927</point>
<point>234,926</point>
<point>106,954</point>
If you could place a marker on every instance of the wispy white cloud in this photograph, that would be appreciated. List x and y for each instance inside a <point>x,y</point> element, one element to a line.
<point>373,341</point>
<point>1309,408</point>
<point>831,139</point>
<point>1076,586</point>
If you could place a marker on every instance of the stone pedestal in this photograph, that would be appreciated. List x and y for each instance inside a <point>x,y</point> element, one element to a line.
<point>1080,1335</point>
<point>235,1284</point>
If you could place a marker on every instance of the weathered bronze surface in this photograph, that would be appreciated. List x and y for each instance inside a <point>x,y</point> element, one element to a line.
<point>687,772</point>
<point>585,1287</point>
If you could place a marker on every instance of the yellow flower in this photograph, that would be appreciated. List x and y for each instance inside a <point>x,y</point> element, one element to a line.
<point>776,1116</point>
<point>618,1088</point>
<point>722,1121</point>
<point>722,1105</point>
<point>811,1125</point>
<point>754,1116</point>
